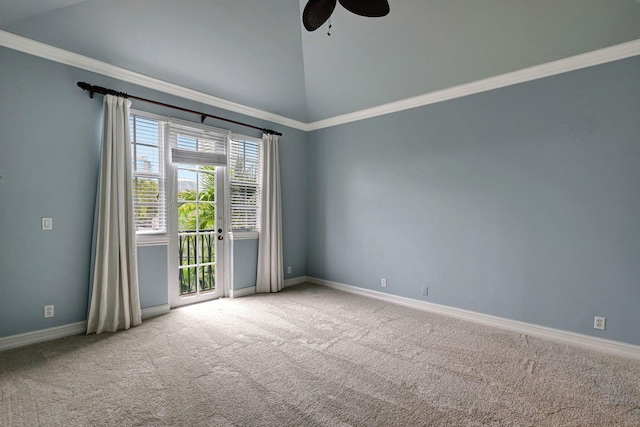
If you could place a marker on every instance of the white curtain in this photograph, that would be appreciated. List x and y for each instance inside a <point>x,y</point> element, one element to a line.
<point>115,301</point>
<point>270,277</point>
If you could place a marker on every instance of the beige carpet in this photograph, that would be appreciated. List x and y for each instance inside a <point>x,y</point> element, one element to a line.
<point>312,356</point>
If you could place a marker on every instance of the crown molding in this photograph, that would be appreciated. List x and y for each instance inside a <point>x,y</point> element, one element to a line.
<point>573,63</point>
<point>52,53</point>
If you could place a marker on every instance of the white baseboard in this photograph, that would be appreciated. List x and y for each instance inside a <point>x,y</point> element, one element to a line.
<point>157,310</point>
<point>21,340</point>
<point>242,292</point>
<point>599,344</point>
<point>295,281</point>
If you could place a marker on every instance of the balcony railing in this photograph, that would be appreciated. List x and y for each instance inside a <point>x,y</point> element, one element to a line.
<point>197,268</point>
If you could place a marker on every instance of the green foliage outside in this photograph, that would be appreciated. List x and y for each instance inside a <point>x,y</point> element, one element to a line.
<point>202,247</point>
<point>145,197</point>
<point>195,247</point>
<point>187,218</point>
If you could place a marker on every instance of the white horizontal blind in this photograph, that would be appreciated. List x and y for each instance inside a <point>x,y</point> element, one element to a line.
<point>147,170</point>
<point>197,146</point>
<point>245,165</point>
<point>192,157</point>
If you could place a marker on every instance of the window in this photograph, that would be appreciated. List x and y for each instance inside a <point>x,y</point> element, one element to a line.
<point>245,159</point>
<point>148,179</point>
<point>148,169</point>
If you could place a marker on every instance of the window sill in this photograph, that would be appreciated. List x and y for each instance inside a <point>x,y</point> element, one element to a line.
<point>245,235</point>
<point>152,239</point>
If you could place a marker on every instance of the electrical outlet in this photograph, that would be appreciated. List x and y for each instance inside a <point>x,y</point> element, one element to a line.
<point>47,223</point>
<point>425,291</point>
<point>48,311</point>
<point>383,282</point>
<point>599,323</point>
<point>289,269</point>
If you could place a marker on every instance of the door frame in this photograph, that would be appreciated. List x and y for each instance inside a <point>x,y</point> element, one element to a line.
<point>222,251</point>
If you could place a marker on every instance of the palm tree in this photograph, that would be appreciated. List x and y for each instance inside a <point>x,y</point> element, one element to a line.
<point>205,195</point>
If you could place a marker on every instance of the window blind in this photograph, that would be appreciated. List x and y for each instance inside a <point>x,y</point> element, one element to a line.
<point>147,173</point>
<point>245,166</point>
<point>197,146</point>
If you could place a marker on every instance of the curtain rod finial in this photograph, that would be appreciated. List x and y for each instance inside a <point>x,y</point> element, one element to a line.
<point>87,87</point>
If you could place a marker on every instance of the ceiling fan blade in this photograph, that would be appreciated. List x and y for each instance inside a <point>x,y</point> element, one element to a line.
<point>369,8</point>
<point>316,13</point>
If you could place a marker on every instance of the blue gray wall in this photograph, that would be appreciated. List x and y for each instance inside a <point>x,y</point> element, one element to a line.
<point>245,254</point>
<point>49,153</point>
<point>521,202</point>
<point>48,161</point>
<point>153,275</point>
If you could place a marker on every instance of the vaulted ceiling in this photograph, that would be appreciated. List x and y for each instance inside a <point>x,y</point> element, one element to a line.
<point>256,53</point>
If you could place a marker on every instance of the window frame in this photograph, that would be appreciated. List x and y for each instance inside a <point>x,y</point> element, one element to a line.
<point>163,176</point>
<point>245,233</point>
<point>145,236</point>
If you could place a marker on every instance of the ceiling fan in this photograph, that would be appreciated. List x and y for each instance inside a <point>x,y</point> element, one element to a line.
<point>316,12</point>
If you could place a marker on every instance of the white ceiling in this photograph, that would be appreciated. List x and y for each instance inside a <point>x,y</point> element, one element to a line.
<point>254,52</point>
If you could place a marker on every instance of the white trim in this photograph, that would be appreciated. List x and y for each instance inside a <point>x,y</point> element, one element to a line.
<point>244,235</point>
<point>598,344</point>
<point>154,311</point>
<point>242,292</point>
<point>241,137</point>
<point>42,50</point>
<point>572,63</point>
<point>146,114</point>
<point>295,281</point>
<point>21,340</point>
<point>152,240</point>
<point>43,335</point>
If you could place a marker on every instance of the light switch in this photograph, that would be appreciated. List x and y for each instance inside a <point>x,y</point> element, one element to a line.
<point>47,223</point>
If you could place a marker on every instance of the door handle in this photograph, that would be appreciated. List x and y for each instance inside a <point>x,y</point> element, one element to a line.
<point>221,237</point>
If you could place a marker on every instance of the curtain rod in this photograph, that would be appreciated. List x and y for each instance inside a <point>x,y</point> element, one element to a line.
<point>104,91</point>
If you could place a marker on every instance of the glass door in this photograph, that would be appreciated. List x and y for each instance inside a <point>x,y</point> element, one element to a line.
<point>200,233</point>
